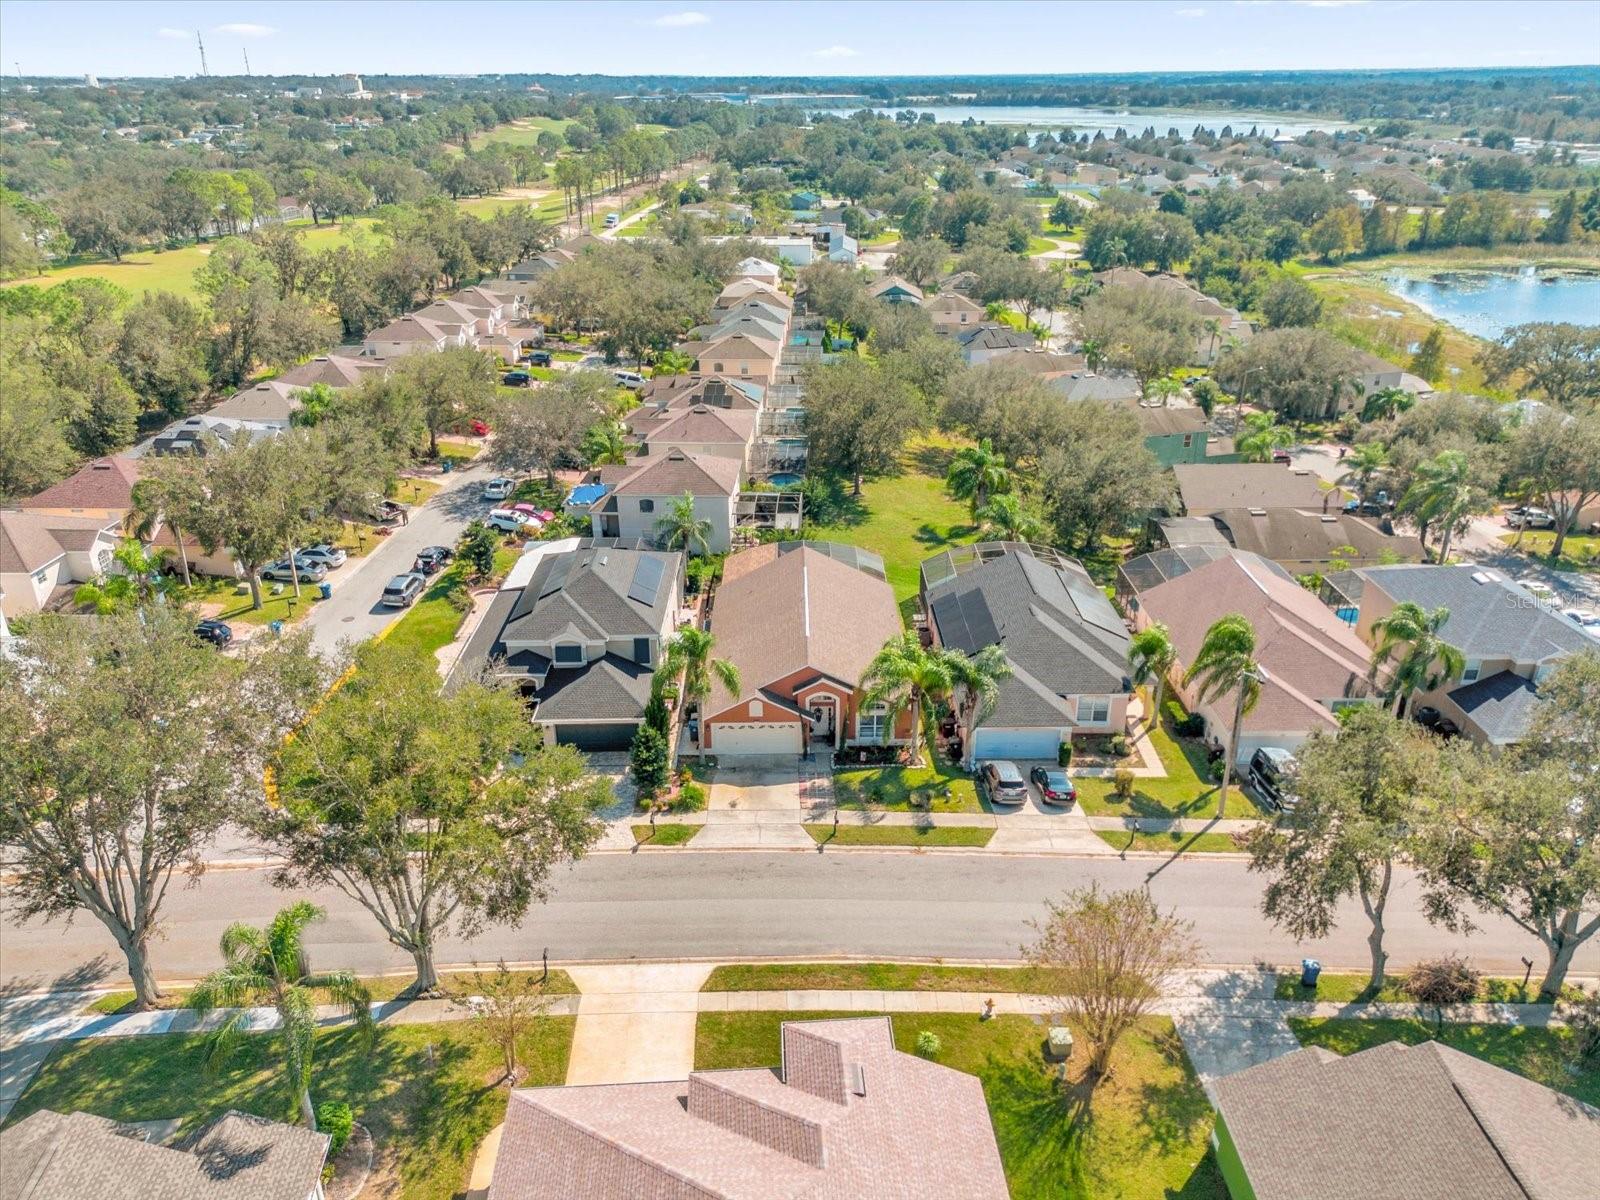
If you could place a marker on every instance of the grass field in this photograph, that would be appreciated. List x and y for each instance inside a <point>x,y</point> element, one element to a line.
<point>1580,552</point>
<point>664,835</point>
<point>893,787</point>
<point>899,835</point>
<point>426,1092</point>
<point>524,132</point>
<point>1142,1134</point>
<point>1170,843</point>
<point>899,977</point>
<point>235,607</point>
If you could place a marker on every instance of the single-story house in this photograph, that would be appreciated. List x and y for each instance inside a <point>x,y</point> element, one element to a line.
<point>640,492</point>
<point>75,1156</point>
<point>1312,664</point>
<point>891,289</point>
<point>414,334</point>
<point>335,370</point>
<point>1065,643</point>
<point>42,556</point>
<point>580,625</point>
<point>1509,639</point>
<point>540,265</point>
<point>189,435</point>
<point>988,342</point>
<point>1302,542</point>
<point>953,313</point>
<point>801,621</point>
<point>834,1120</point>
<point>1397,1120</point>
<point>1207,488</point>
<point>102,488</point>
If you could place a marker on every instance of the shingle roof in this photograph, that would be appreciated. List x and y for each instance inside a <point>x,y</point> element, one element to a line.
<point>335,370</point>
<point>271,400</point>
<point>1060,633</point>
<point>683,391</point>
<point>778,613</point>
<point>1501,705</point>
<point>1490,616</point>
<point>29,541</point>
<point>104,483</point>
<point>952,302</point>
<point>1208,487</point>
<point>673,474</point>
<point>1084,385</point>
<point>839,1121</point>
<point>411,328</point>
<point>697,425</point>
<point>1290,535</point>
<point>78,1156</point>
<point>1164,421</point>
<point>892,283</point>
<point>608,689</point>
<point>1407,1123</point>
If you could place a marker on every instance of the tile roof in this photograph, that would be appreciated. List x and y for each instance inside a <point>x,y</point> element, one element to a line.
<point>673,474</point>
<point>839,1120</point>
<point>1407,1123</point>
<point>78,1156</point>
<point>1060,633</point>
<point>778,613</point>
<point>103,483</point>
<point>1208,487</point>
<point>1311,657</point>
<point>1490,615</point>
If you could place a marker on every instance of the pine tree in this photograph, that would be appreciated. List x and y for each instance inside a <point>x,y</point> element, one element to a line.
<point>647,761</point>
<point>1428,361</point>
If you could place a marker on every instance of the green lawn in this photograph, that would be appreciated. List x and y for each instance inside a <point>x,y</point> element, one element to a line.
<point>1170,843</point>
<point>1539,1054</point>
<point>433,619</point>
<point>907,517</point>
<point>1343,989</point>
<point>522,132</point>
<point>899,977</point>
<point>664,835</point>
<point>485,207</point>
<point>1580,552</point>
<point>1039,245</point>
<point>899,835</point>
<point>893,787</point>
<point>1141,1135</point>
<point>381,987</point>
<point>211,589</point>
<point>427,1093</point>
<point>1185,792</point>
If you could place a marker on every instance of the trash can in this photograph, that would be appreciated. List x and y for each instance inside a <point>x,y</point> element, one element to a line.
<point>276,627</point>
<point>446,465</point>
<point>1310,968</point>
<point>325,590</point>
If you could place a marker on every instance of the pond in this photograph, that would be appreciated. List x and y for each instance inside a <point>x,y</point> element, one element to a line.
<point>1487,303</point>
<point>1055,117</point>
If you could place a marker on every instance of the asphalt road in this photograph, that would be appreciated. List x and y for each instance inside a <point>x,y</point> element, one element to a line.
<point>709,905</point>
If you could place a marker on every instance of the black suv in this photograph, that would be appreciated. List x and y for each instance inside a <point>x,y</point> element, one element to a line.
<point>431,558</point>
<point>213,631</point>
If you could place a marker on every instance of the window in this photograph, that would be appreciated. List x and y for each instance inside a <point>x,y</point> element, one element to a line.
<point>1470,672</point>
<point>1094,710</point>
<point>744,368</point>
<point>641,650</point>
<point>1188,440</point>
<point>872,724</point>
<point>755,708</point>
<point>647,506</point>
<point>569,652</point>
<point>717,367</point>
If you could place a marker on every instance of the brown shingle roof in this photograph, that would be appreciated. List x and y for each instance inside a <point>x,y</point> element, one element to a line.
<point>1209,487</point>
<point>1289,535</point>
<point>697,425</point>
<point>673,474</point>
<point>104,483</point>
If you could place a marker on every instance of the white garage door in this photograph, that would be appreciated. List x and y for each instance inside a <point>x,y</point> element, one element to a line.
<point>1015,743</point>
<point>755,738</point>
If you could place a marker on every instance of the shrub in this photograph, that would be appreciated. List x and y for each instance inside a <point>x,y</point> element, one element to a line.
<point>1119,745</point>
<point>1214,770</point>
<point>928,1044</point>
<point>1583,1019</point>
<point>1447,980</point>
<point>1064,754</point>
<point>647,761</point>
<point>335,1119</point>
<point>691,798</point>
<point>1123,782</point>
<point>1190,725</point>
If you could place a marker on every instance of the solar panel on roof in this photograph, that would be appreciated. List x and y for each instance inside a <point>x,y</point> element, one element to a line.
<point>557,578</point>
<point>646,580</point>
<point>952,624</point>
<point>980,623</point>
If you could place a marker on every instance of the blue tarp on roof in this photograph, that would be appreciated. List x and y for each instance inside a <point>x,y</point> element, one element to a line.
<point>586,494</point>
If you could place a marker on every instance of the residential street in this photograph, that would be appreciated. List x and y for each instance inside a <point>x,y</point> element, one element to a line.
<point>792,905</point>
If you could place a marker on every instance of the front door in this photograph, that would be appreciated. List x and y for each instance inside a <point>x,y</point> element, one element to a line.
<point>824,719</point>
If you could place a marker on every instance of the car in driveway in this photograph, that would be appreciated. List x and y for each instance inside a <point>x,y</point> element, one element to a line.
<point>1529,517</point>
<point>431,558</point>
<point>517,379</point>
<point>1055,787</point>
<point>1538,589</point>
<point>214,631</point>
<point>328,556</point>
<point>1269,773</point>
<point>539,358</point>
<point>402,590</point>
<point>628,379</point>
<point>499,488</point>
<point>1004,783</point>
<point>308,571</point>
<point>510,521</point>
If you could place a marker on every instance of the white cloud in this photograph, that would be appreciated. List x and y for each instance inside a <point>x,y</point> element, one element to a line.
<point>245,29</point>
<point>177,35</point>
<point>1191,12</point>
<point>681,20</point>
<point>835,52</point>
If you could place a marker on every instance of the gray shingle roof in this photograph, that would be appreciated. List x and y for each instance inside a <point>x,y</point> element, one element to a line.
<point>1209,487</point>
<point>1490,616</point>
<point>1501,705</point>
<point>1407,1123</point>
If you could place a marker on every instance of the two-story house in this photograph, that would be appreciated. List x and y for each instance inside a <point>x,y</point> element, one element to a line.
<point>414,334</point>
<point>580,625</point>
<point>642,491</point>
<point>952,313</point>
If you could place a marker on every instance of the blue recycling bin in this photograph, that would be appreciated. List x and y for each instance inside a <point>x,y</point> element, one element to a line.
<point>446,466</point>
<point>1310,968</point>
<point>276,627</point>
<point>325,589</point>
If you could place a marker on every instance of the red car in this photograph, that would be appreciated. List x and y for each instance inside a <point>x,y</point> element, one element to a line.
<point>542,514</point>
<point>479,428</point>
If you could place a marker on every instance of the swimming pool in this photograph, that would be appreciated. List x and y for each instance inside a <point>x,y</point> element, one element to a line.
<point>785,479</point>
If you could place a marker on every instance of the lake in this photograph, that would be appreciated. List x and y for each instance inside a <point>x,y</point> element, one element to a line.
<point>1487,303</point>
<point>1108,120</point>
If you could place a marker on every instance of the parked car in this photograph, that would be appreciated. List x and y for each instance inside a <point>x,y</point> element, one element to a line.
<point>613,220</point>
<point>499,488</point>
<point>510,521</point>
<point>479,428</point>
<point>517,379</point>
<point>328,556</point>
<point>1054,785</point>
<point>543,515</point>
<point>1282,456</point>
<point>1269,772</point>
<point>628,379</point>
<point>1538,589</point>
<point>538,358</point>
<point>402,590</point>
<point>1528,517</point>
<point>213,631</point>
<point>1585,618</point>
<point>1427,716</point>
<point>308,571</point>
<point>389,512</point>
<point>431,558</point>
<point>1004,783</point>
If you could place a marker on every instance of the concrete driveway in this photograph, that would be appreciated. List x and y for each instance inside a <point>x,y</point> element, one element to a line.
<point>760,803</point>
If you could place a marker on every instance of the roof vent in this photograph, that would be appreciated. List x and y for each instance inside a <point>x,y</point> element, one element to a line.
<point>1329,519</point>
<point>1481,577</point>
<point>1258,512</point>
<point>858,1079</point>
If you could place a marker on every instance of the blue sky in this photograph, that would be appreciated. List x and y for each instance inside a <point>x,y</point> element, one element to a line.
<point>700,37</point>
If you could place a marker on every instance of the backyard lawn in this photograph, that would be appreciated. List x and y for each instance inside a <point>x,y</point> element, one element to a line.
<point>1141,1135</point>
<point>899,835</point>
<point>1185,792</point>
<point>426,1092</point>
<point>1540,1054</point>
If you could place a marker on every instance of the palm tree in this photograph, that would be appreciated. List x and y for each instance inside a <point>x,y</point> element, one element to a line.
<point>1444,495</point>
<point>1366,462</point>
<point>907,674</point>
<point>138,583</point>
<point>976,473</point>
<point>1094,354</point>
<point>1226,663</point>
<point>1386,402</point>
<point>1426,660</point>
<point>689,652</point>
<point>1152,656</point>
<point>270,964</point>
<point>673,362</point>
<point>1166,387</point>
<point>605,445</point>
<point>1213,327</point>
<point>977,682</point>
<point>681,528</point>
<point>1005,517</point>
<point>1259,436</point>
<point>156,497</point>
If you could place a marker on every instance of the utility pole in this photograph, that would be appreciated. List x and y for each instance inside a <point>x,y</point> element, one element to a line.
<point>247,62</point>
<point>199,41</point>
